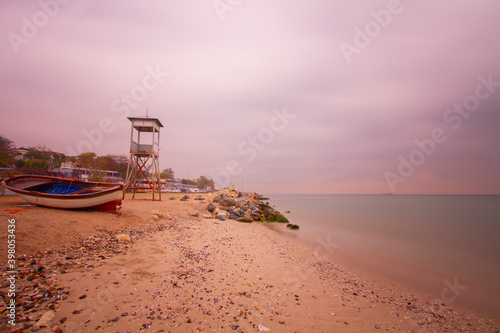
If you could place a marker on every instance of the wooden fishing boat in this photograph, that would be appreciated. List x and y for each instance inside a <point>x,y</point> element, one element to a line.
<point>65,193</point>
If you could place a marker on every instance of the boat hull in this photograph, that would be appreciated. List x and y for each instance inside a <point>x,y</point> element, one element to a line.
<point>100,196</point>
<point>106,202</point>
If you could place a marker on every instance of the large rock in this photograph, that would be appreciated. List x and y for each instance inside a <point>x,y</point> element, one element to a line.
<point>221,217</point>
<point>228,202</point>
<point>245,220</point>
<point>281,218</point>
<point>211,207</point>
<point>255,213</point>
<point>240,212</point>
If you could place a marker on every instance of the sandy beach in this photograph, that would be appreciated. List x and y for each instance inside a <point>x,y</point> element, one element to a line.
<point>79,272</point>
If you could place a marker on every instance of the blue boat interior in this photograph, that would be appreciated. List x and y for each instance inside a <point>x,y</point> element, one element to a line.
<point>58,188</point>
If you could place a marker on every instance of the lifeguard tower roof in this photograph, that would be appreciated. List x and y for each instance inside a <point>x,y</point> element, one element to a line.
<point>145,124</point>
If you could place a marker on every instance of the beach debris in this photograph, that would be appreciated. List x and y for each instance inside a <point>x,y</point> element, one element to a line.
<point>292,226</point>
<point>221,217</point>
<point>197,214</point>
<point>185,197</point>
<point>262,328</point>
<point>173,198</point>
<point>45,319</point>
<point>123,237</point>
<point>199,197</point>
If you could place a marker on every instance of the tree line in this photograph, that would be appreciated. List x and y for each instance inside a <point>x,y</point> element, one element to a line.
<point>42,158</point>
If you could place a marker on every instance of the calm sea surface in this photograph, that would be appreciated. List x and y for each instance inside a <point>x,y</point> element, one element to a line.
<point>424,241</point>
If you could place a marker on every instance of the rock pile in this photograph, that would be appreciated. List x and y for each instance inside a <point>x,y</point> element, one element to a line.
<point>230,204</point>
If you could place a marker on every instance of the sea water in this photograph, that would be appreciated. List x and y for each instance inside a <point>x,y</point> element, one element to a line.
<point>445,245</point>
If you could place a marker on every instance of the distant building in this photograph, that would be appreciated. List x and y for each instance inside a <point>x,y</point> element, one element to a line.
<point>20,153</point>
<point>172,185</point>
<point>70,169</point>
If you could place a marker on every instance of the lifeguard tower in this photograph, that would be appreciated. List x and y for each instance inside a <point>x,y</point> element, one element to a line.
<point>143,172</point>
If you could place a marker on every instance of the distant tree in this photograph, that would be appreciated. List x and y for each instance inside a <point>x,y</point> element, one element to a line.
<point>19,163</point>
<point>119,158</point>
<point>167,173</point>
<point>105,163</point>
<point>56,163</point>
<point>97,177</point>
<point>121,163</point>
<point>36,164</point>
<point>203,182</point>
<point>88,161</point>
<point>122,168</point>
<point>6,151</point>
<point>38,152</point>
<point>188,182</point>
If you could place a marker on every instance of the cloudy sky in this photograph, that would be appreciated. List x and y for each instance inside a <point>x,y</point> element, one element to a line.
<point>323,96</point>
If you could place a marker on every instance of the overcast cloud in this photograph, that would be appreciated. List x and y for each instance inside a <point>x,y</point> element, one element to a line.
<point>231,71</point>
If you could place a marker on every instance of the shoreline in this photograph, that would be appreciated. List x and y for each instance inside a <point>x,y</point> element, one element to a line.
<point>181,272</point>
<point>412,274</point>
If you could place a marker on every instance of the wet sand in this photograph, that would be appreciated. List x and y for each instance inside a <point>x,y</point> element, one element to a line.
<point>181,273</point>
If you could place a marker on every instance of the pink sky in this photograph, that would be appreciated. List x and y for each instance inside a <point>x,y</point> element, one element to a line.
<point>281,96</point>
